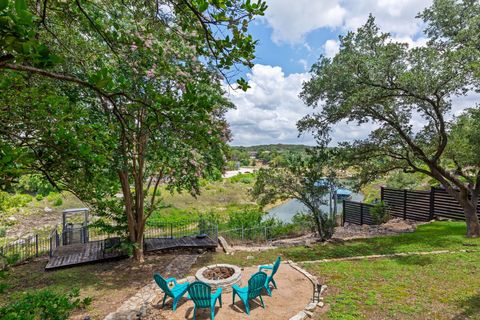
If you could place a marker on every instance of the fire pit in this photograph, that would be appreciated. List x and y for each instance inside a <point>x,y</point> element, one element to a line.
<point>220,275</point>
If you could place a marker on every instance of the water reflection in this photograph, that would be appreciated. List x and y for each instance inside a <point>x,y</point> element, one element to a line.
<point>287,210</point>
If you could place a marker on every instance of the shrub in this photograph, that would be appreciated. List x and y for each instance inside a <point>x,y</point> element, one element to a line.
<point>305,221</point>
<point>246,178</point>
<point>55,198</point>
<point>246,217</point>
<point>12,258</point>
<point>43,304</point>
<point>39,197</point>
<point>379,213</point>
<point>34,184</point>
<point>8,201</point>
<point>57,202</point>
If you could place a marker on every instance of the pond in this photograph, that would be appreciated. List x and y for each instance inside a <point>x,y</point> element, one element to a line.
<point>287,210</point>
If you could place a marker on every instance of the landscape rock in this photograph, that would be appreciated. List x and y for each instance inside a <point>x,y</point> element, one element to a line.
<point>394,226</point>
<point>47,209</point>
<point>299,316</point>
<point>311,306</point>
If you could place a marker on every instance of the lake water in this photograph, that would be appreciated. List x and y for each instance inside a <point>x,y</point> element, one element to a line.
<point>287,210</point>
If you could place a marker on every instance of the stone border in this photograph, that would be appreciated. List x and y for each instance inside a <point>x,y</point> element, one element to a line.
<point>225,284</point>
<point>317,299</point>
<point>390,255</point>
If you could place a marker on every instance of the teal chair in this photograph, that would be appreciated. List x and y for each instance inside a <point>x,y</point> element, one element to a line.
<point>176,292</point>
<point>201,294</point>
<point>252,291</point>
<point>274,269</point>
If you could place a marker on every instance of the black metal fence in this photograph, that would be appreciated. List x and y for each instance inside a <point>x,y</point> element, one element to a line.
<point>35,246</point>
<point>418,205</point>
<point>25,248</point>
<point>192,228</point>
<point>259,235</point>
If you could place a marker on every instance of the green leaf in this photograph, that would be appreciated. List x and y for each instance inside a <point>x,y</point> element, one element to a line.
<point>202,5</point>
<point>20,5</point>
<point>3,4</point>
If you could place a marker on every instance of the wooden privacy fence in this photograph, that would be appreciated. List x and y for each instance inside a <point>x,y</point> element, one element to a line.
<point>356,212</point>
<point>415,205</point>
<point>422,205</point>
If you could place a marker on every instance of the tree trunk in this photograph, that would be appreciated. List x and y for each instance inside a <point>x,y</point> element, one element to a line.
<point>138,251</point>
<point>319,224</point>
<point>467,197</point>
<point>470,210</point>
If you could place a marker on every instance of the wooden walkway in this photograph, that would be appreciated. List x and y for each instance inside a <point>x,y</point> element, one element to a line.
<point>77,254</point>
<point>81,253</point>
<point>156,244</point>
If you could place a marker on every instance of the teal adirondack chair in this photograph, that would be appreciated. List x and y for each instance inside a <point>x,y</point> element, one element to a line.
<point>274,269</point>
<point>256,283</point>
<point>201,294</point>
<point>176,292</point>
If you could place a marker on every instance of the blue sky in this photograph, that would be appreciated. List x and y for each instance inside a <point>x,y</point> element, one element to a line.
<point>292,36</point>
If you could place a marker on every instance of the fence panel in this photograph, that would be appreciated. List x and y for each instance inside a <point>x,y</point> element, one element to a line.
<point>446,206</point>
<point>357,212</point>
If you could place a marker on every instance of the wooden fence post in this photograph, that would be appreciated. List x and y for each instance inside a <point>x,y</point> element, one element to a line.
<point>361,213</point>
<point>382,193</point>
<point>343,213</point>
<point>432,203</point>
<point>36,245</point>
<point>404,204</point>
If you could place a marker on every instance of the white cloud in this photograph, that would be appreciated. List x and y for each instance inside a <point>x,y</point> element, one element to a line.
<point>268,112</point>
<point>331,48</point>
<point>292,20</point>
<point>420,42</point>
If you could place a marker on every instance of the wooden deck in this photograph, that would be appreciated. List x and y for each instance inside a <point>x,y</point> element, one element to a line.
<point>81,253</point>
<point>156,244</point>
<point>77,254</point>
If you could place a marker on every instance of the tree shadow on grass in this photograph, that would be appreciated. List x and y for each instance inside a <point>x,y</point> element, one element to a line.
<point>419,260</point>
<point>470,308</point>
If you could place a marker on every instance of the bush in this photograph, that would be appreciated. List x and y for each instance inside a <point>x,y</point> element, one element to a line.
<point>246,178</point>
<point>305,221</point>
<point>55,198</point>
<point>379,213</point>
<point>9,201</point>
<point>43,304</point>
<point>246,217</point>
<point>34,184</point>
<point>57,202</point>
<point>39,197</point>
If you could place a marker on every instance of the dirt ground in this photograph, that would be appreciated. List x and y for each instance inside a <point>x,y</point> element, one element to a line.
<point>293,293</point>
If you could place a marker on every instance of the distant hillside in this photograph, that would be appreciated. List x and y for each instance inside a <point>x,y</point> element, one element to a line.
<point>274,147</point>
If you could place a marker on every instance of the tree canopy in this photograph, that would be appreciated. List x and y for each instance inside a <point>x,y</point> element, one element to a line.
<point>103,96</point>
<point>406,94</point>
<point>302,178</point>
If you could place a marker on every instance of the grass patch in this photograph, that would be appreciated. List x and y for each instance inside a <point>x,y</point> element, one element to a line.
<point>428,237</point>
<point>442,286</point>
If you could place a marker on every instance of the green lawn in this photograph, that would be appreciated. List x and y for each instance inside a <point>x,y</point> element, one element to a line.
<point>445,286</point>
<point>428,237</point>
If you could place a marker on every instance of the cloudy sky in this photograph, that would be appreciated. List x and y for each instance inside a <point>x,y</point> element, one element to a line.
<point>292,35</point>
